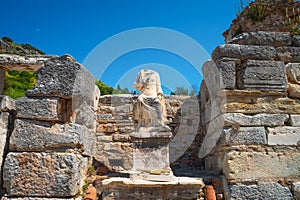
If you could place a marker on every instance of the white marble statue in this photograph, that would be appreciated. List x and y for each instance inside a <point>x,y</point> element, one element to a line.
<point>150,108</point>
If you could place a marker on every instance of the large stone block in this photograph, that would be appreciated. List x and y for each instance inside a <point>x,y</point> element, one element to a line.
<point>262,191</point>
<point>115,154</point>
<point>28,136</point>
<point>244,52</point>
<point>43,174</point>
<point>7,104</point>
<point>64,77</point>
<point>263,75</point>
<point>262,38</point>
<point>263,119</point>
<point>244,135</point>
<point>254,165</point>
<point>263,105</point>
<point>53,109</point>
<point>284,135</point>
<point>288,54</point>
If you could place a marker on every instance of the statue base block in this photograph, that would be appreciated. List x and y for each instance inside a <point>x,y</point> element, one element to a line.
<point>151,156</point>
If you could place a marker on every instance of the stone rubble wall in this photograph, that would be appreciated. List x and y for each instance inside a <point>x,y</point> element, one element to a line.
<point>53,139</point>
<point>115,123</point>
<point>251,112</point>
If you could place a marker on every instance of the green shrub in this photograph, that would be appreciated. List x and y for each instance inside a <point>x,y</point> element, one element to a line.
<point>18,82</point>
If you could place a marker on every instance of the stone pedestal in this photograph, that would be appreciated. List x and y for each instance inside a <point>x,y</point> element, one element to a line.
<point>151,156</point>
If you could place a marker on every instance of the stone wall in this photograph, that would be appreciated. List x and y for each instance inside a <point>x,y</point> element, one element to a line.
<point>250,108</point>
<point>52,142</point>
<point>115,123</point>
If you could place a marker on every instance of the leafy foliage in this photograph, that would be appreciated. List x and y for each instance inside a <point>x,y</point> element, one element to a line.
<point>293,20</point>
<point>18,82</point>
<point>181,90</point>
<point>104,89</point>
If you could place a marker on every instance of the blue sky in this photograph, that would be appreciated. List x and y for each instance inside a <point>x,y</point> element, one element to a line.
<point>78,27</point>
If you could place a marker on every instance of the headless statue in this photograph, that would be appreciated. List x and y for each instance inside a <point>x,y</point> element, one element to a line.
<point>150,108</point>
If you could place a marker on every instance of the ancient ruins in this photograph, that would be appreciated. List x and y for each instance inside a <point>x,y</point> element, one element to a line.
<point>240,136</point>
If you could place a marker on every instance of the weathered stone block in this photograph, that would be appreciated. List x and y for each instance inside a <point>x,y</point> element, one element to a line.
<point>293,73</point>
<point>104,138</point>
<point>293,90</point>
<point>244,135</point>
<point>121,138</point>
<point>296,41</point>
<point>4,120</point>
<point>244,52</point>
<point>263,75</point>
<point>7,104</point>
<point>288,54</point>
<point>262,191</point>
<point>107,128</point>
<point>220,75</point>
<point>263,105</point>
<point>262,38</point>
<point>256,165</point>
<point>43,175</point>
<point>284,135</point>
<point>239,119</point>
<point>115,154</point>
<point>28,136</point>
<point>64,77</point>
<point>296,190</point>
<point>295,120</point>
<point>180,189</point>
<point>117,100</point>
<point>85,115</point>
<point>53,109</point>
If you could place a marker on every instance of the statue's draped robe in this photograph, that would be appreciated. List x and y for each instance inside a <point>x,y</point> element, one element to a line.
<point>149,110</point>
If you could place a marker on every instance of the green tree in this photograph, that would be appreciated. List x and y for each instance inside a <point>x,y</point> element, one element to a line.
<point>18,82</point>
<point>104,89</point>
<point>180,90</point>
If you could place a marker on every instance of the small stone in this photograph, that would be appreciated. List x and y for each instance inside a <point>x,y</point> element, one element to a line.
<point>296,41</point>
<point>288,54</point>
<point>295,120</point>
<point>7,104</point>
<point>296,189</point>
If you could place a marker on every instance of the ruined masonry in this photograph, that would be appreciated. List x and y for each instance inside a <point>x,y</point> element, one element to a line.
<point>241,134</point>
